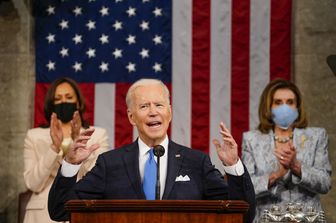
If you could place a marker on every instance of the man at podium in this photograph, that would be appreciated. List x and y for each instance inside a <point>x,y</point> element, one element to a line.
<point>129,172</point>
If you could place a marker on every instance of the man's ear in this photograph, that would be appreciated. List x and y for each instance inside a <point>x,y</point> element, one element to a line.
<point>130,117</point>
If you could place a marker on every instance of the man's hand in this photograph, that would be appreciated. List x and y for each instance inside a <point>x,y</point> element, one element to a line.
<point>78,151</point>
<point>228,152</point>
<point>56,132</point>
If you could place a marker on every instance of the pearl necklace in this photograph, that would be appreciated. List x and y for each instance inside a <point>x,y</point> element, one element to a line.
<point>283,140</point>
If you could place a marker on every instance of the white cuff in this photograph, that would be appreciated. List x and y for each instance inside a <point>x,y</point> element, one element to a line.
<point>68,169</point>
<point>236,169</point>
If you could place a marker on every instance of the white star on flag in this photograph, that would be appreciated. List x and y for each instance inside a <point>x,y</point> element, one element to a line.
<point>157,12</point>
<point>103,67</point>
<point>77,11</point>
<point>91,24</point>
<point>77,39</point>
<point>157,67</point>
<point>103,39</point>
<point>144,25</point>
<point>91,52</point>
<point>131,11</point>
<point>50,10</point>
<point>64,24</point>
<point>77,66</point>
<point>130,67</point>
<point>144,53</point>
<point>130,39</point>
<point>117,53</point>
<point>50,38</point>
<point>117,25</point>
<point>51,65</point>
<point>104,11</point>
<point>157,39</point>
<point>64,52</point>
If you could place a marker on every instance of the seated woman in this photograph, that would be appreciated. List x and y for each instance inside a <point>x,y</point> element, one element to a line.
<point>287,161</point>
<point>64,108</point>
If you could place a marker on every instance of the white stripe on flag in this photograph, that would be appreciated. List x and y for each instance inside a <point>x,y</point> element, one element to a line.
<point>259,55</point>
<point>220,97</point>
<point>104,113</point>
<point>181,72</point>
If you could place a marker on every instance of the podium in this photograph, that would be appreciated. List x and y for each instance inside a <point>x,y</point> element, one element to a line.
<point>160,211</point>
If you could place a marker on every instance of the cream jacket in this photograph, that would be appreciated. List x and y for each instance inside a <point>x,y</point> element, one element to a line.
<point>41,164</point>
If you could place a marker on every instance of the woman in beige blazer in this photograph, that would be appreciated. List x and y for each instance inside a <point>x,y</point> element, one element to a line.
<point>64,108</point>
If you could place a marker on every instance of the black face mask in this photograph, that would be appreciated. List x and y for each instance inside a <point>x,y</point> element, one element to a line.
<point>65,111</point>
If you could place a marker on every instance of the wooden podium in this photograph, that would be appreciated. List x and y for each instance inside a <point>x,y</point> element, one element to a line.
<point>163,211</point>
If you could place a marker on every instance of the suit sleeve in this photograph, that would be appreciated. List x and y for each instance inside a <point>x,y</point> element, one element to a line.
<point>92,186</point>
<point>236,188</point>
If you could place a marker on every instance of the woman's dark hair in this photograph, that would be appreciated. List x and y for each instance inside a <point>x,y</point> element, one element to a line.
<point>266,100</point>
<point>50,98</point>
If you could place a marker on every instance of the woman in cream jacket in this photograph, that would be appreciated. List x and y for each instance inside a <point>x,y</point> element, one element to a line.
<point>64,108</point>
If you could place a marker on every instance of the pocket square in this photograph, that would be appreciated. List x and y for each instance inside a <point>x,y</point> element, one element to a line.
<point>182,178</point>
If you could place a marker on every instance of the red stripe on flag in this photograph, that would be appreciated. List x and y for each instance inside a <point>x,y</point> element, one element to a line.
<point>40,92</point>
<point>200,75</point>
<point>280,46</point>
<point>240,69</point>
<point>123,128</point>
<point>88,92</point>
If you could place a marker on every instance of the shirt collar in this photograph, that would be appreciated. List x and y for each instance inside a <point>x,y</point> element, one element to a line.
<point>143,148</point>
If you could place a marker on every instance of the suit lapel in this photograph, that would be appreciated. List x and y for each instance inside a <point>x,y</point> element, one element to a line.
<point>131,163</point>
<point>174,165</point>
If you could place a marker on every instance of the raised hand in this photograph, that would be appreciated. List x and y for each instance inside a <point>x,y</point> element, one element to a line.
<point>76,124</point>
<point>56,132</point>
<point>78,151</point>
<point>228,151</point>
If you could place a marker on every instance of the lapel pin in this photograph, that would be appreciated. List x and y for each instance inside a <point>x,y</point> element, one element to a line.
<point>177,155</point>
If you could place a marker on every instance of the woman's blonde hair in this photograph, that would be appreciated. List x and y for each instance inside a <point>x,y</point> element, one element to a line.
<point>266,100</point>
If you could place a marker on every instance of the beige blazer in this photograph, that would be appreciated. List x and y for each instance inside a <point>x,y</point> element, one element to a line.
<point>41,164</point>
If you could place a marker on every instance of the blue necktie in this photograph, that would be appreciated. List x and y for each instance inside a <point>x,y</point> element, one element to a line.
<point>149,180</point>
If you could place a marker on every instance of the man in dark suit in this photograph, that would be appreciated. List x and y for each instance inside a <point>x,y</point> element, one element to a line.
<point>121,173</point>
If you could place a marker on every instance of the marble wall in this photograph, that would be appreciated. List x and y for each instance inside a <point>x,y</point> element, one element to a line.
<point>16,90</point>
<point>314,38</point>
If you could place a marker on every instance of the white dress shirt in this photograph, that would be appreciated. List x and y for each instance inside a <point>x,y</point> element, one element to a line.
<point>143,156</point>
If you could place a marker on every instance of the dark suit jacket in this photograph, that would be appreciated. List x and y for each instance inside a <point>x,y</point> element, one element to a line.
<point>116,176</point>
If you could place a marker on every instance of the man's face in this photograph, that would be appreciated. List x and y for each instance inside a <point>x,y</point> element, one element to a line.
<point>150,112</point>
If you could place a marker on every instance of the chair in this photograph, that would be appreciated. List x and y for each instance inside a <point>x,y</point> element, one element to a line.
<point>23,200</point>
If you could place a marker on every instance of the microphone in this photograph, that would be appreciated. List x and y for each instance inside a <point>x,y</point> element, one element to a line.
<point>158,151</point>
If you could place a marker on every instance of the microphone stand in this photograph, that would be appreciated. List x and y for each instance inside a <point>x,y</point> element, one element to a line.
<point>158,184</point>
<point>158,152</point>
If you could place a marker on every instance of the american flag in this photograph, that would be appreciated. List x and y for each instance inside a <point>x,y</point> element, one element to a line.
<point>216,57</point>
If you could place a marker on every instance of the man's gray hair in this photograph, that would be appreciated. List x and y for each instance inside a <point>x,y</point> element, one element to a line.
<point>145,82</point>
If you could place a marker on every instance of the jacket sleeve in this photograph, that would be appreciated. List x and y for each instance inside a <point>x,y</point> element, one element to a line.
<point>236,188</point>
<point>260,182</point>
<point>63,189</point>
<point>38,166</point>
<point>99,137</point>
<point>315,176</point>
